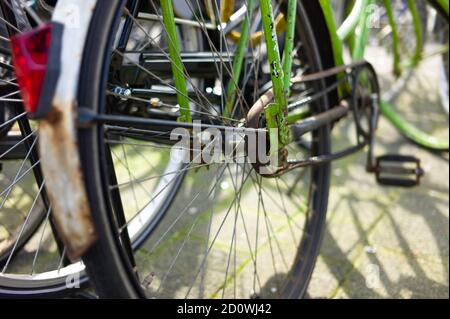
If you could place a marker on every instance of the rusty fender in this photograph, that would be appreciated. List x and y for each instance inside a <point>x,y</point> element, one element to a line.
<point>58,134</point>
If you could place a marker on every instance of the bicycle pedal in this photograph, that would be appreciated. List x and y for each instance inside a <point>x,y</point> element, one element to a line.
<point>398,170</point>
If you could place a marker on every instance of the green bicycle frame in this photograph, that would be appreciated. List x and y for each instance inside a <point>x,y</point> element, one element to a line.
<point>289,45</point>
<point>276,112</point>
<point>177,65</point>
<point>443,4</point>
<point>349,24</point>
<point>395,41</point>
<point>358,18</point>
<point>386,108</point>
<point>238,60</point>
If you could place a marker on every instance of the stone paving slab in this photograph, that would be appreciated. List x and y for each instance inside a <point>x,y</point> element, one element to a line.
<point>380,242</point>
<point>385,242</point>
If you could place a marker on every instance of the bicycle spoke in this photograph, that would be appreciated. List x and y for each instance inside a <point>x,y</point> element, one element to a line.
<point>213,241</point>
<point>200,96</point>
<point>22,228</point>
<point>41,238</point>
<point>16,177</point>
<point>213,189</point>
<point>17,144</point>
<point>201,228</point>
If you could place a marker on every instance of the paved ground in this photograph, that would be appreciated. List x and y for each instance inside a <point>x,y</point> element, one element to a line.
<point>385,242</point>
<point>380,242</point>
<point>400,234</point>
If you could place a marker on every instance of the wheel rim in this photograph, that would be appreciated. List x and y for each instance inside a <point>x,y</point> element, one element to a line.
<point>313,221</point>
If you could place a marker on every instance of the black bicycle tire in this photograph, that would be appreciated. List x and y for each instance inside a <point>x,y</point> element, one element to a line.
<point>106,263</point>
<point>10,291</point>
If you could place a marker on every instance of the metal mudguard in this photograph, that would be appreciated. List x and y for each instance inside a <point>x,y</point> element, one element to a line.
<point>59,155</point>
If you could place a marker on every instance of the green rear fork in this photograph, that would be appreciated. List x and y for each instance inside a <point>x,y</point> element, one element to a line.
<point>176,63</point>
<point>289,45</point>
<point>390,14</point>
<point>362,37</point>
<point>351,22</point>
<point>444,4</point>
<point>412,6</point>
<point>276,112</point>
<point>238,61</point>
<point>336,41</point>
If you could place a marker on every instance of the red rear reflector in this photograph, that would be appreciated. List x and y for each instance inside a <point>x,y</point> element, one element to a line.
<point>30,52</point>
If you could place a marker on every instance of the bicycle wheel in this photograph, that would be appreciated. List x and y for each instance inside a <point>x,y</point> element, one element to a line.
<point>381,44</point>
<point>33,259</point>
<point>224,232</point>
<point>441,34</point>
<point>402,105</point>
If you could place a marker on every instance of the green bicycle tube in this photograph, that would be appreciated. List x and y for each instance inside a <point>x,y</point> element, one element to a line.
<point>176,63</point>
<point>238,60</point>
<point>417,31</point>
<point>276,113</point>
<point>411,131</point>
<point>395,41</point>
<point>289,45</point>
<point>297,115</point>
<point>363,36</point>
<point>443,4</point>
<point>336,42</point>
<point>331,25</point>
<point>273,53</point>
<point>350,23</point>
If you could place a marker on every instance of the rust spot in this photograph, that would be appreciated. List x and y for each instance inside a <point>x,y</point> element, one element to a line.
<point>76,245</point>
<point>66,189</point>
<point>54,116</point>
<point>275,69</point>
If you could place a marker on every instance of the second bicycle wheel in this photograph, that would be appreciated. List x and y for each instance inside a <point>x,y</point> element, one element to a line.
<point>229,232</point>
